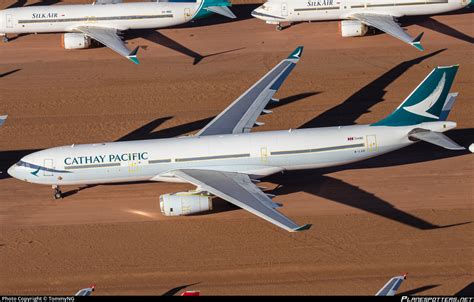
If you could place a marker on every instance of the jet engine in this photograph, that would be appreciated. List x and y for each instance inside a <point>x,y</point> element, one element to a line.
<point>75,41</point>
<point>352,28</point>
<point>185,203</point>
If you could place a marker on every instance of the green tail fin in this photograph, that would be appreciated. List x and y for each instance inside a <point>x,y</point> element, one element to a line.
<point>426,102</point>
<point>208,7</point>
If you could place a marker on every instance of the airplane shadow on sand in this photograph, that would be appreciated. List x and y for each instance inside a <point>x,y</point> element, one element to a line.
<point>415,291</point>
<point>435,25</point>
<point>467,291</point>
<point>160,39</point>
<point>241,11</point>
<point>2,75</point>
<point>317,182</point>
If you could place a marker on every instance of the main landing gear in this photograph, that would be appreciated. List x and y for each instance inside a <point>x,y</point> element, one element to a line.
<point>4,38</point>
<point>57,192</point>
<point>279,27</point>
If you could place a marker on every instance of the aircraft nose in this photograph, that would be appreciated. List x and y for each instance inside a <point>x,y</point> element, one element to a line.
<point>255,12</point>
<point>12,171</point>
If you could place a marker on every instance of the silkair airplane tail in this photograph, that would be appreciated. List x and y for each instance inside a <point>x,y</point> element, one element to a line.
<point>429,102</point>
<point>221,7</point>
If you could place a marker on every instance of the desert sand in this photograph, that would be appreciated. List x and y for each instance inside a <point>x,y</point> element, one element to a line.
<point>407,211</point>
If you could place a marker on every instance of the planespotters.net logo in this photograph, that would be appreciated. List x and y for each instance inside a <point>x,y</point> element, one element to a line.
<point>437,299</point>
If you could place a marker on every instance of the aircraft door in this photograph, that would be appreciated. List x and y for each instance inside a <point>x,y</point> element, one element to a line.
<point>133,166</point>
<point>372,143</point>
<point>187,14</point>
<point>49,165</point>
<point>284,9</point>
<point>91,19</point>
<point>9,21</point>
<point>263,154</point>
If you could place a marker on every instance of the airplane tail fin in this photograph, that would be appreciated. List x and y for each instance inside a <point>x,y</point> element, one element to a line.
<point>390,288</point>
<point>220,7</point>
<point>429,102</point>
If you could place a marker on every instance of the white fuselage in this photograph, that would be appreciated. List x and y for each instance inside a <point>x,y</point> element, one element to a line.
<point>258,154</point>
<point>120,16</point>
<point>276,11</point>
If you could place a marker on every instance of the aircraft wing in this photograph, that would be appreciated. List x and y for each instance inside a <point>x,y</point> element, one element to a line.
<point>109,37</point>
<point>387,23</point>
<point>239,190</point>
<point>242,114</point>
<point>3,118</point>
<point>390,288</point>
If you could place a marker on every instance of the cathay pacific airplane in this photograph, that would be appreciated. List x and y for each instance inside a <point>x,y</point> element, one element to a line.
<point>356,15</point>
<point>104,20</point>
<point>226,159</point>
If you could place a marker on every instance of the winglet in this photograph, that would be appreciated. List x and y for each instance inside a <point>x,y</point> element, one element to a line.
<point>416,42</point>
<point>297,53</point>
<point>302,228</point>
<point>133,56</point>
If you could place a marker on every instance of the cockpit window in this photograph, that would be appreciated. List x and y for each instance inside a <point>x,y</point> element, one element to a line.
<point>22,164</point>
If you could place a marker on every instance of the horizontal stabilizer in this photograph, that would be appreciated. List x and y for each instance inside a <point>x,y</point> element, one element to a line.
<point>435,138</point>
<point>221,10</point>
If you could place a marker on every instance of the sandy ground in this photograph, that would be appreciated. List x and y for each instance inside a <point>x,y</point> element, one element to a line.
<point>409,211</point>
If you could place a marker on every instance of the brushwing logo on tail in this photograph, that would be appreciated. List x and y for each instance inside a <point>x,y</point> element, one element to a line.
<point>422,107</point>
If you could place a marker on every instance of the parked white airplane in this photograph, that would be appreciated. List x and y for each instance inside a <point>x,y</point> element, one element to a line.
<point>3,118</point>
<point>104,20</point>
<point>390,288</point>
<point>356,15</point>
<point>225,160</point>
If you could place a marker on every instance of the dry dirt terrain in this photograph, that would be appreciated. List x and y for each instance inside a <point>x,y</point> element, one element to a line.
<point>408,211</point>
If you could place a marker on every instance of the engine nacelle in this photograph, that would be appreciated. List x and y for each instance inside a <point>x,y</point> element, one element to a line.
<point>185,203</point>
<point>352,28</point>
<point>75,41</point>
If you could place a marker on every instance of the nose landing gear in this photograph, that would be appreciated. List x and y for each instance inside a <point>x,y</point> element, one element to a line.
<point>4,38</point>
<point>57,192</point>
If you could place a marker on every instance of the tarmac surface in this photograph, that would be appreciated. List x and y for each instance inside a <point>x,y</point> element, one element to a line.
<point>406,211</point>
